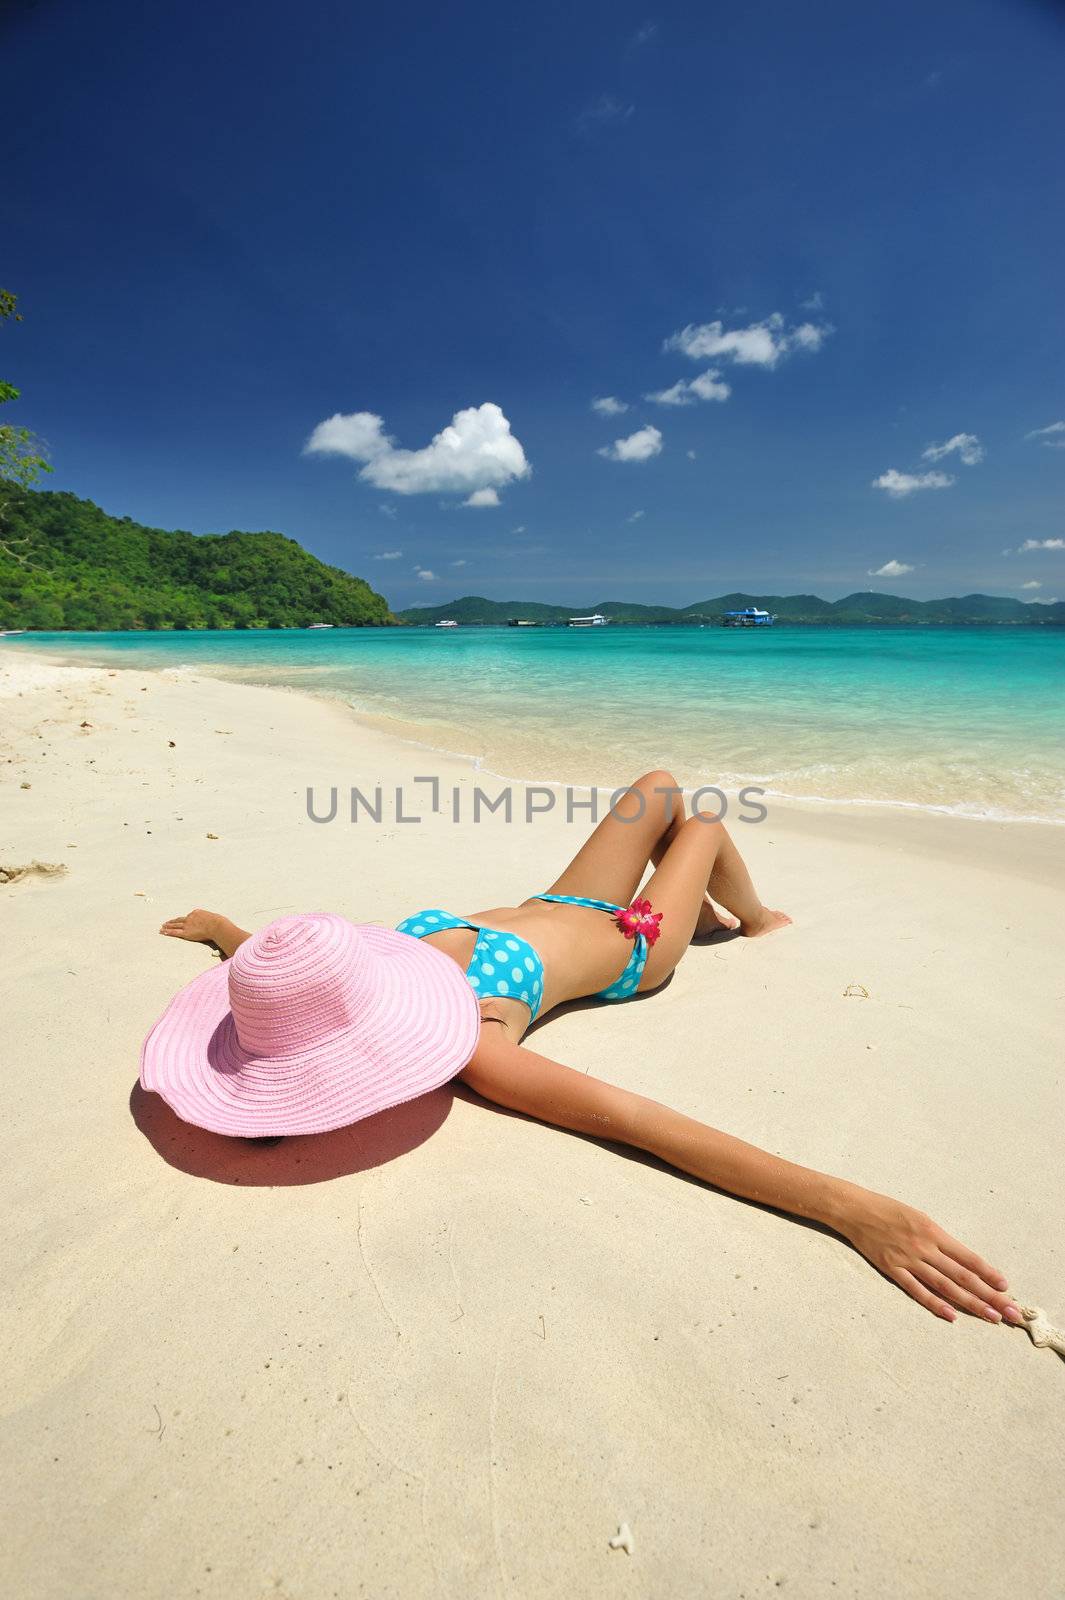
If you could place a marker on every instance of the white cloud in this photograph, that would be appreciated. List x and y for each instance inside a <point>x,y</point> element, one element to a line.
<point>645,34</point>
<point>966,445</point>
<point>636,515</point>
<point>358,434</point>
<point>424,572</point>
<point>677,395</point>
<point>890,569</point>
<point>760,344</point>
<point>1042,544</point>
<point>460,563</point>
<point>520,529</point>
<point>475,451</point>
<point>899,484</point>
<point>639,446</point>
<point>1045,600</point>
<point>387,511</point>
<point>816,302</point>
<point>692,456</point>
<point>1033,583</point>
<point>609,406</point>
<point>685,392</point>
<point>807,336</point>
<point>710,386</point>
<point>482,497</point>
<point>601,113</point>
<point>388,555</point>
<point>1053,435</point>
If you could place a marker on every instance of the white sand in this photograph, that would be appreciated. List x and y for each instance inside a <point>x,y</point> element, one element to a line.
<point>449,1351</point>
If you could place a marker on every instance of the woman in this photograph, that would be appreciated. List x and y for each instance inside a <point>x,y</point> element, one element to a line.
<point>320,1022</point>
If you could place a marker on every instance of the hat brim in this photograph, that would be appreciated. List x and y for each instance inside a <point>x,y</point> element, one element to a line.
<point>418,1030</point>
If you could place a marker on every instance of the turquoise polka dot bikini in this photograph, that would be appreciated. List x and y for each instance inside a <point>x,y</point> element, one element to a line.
<point>505,964</point>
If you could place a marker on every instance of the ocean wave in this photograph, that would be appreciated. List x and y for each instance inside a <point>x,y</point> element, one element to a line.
<point>730,782</point>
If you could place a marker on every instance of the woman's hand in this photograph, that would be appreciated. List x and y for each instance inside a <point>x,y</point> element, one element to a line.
<point>207,927</point>
<point>935,1270</point>
<point>199,926</point>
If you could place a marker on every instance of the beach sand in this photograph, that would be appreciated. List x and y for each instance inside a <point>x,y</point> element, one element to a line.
<point>449,1350</point>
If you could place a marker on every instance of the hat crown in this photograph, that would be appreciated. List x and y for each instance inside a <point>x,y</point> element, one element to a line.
<point>296,982</point>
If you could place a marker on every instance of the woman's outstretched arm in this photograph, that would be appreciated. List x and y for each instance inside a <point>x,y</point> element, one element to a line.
<point>937,1271</point>
<point>206,927</point>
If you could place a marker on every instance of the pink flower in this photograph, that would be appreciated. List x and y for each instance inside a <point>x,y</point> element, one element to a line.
<point>639,918</point>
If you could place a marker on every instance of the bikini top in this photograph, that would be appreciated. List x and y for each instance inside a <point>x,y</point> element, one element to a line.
<point>504,964</point>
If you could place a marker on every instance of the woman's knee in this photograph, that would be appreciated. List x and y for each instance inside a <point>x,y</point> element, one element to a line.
<point>705,822</point>
<point>661,793</point>
<point>657,778</point>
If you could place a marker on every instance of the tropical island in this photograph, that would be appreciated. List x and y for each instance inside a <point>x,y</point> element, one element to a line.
<point>66,564</point>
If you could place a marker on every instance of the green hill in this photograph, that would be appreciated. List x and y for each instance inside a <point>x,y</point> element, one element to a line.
<point>853,609</point>
<point>629,611</point>
<point>970,608</point>
<point>64,563</point>
<point>474,608</point>
<point>869,607</point>
<point>789,607</point>
<point>992,608</point>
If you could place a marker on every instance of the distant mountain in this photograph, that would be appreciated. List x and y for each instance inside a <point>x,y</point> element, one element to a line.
<point>64,563</point>
<point>853,609</point>
<point>867,605</point>
<point>970,608</point>
<point>474,608</point>
<point>790,607</point>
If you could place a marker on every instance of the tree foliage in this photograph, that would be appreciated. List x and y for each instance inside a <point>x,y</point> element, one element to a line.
<point>64,563</point>
<point>21,456</point>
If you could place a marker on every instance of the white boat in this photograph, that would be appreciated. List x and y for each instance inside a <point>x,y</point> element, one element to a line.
<point>596,620</point>
<point>750,617</point>
<point>312,625</point>
<point>9,633</point>
<point>447,622</point>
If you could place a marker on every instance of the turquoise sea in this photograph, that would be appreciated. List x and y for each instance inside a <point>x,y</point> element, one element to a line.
<point>965,720</point>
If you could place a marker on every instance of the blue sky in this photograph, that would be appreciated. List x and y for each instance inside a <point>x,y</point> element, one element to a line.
<point>229,225</point>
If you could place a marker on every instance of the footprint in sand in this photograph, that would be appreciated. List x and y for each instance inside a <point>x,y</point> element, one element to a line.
<point>34,869</point>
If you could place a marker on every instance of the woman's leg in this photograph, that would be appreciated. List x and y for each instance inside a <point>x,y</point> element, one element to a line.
<point>710,920</point>
<point>640,828</point>
<point>700,858</point>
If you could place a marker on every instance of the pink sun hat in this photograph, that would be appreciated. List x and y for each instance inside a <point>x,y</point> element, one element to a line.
<point>314,1023</point>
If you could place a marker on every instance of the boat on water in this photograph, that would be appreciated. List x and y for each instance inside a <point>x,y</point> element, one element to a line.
<point>9,633</point>
<point>749,617</point>
<point>446,622</point>
<point>522,622</point>
<point>596,620</point>
<point>312,625</point>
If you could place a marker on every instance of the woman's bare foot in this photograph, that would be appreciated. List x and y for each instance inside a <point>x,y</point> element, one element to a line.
<point>711,920</point>
<point>766,922</point>
<point>199,926</point>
